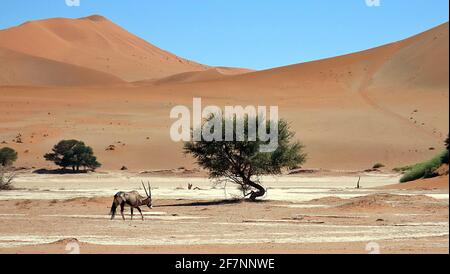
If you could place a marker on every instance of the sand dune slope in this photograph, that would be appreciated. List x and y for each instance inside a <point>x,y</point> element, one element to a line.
<point>95,42</point>
<point>422,59</point>
<point>25,70</point>
<point>388,104</point>
<point>420,62</point>
<point>199,76</point>
<point>412,83</point>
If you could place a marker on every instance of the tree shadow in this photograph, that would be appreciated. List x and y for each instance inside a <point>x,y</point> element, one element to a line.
<point>211,203</point>
<point>59,171</point>
<point>206,203</point>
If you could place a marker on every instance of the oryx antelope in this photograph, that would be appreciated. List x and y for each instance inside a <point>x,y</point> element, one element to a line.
<point>132,199</point>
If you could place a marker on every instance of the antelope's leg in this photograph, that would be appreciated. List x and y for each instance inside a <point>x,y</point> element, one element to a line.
<point>140,212</point>
<point>122,208</point>
<point>132,214</point>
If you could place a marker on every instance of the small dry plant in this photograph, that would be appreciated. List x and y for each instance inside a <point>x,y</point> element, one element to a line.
<point>6,179</point>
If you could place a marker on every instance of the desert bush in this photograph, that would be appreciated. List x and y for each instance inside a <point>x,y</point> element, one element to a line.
<point>445,158</point>
<point>425,169</point>
<point>74,154</point>
<point>7,156</point>
<point>378,165</point>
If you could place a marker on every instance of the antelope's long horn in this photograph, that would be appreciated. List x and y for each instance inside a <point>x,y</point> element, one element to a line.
<point>144,188</point>
<point>149,189</point>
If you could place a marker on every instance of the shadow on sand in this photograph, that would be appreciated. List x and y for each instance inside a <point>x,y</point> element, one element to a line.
<point>210,203</point>
<point>59,171</point>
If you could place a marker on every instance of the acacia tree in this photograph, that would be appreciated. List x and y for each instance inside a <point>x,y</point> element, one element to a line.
<point>7,156</point>
<point>73,153</point>
<point>242,162</point>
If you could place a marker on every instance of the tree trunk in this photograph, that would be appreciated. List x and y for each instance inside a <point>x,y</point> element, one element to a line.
<point>255,194</point>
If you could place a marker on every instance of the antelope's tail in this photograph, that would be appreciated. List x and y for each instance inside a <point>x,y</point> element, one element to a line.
<point>113,209</point>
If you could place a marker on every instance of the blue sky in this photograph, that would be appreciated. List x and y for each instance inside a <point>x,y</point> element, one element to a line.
<point>255,34</point>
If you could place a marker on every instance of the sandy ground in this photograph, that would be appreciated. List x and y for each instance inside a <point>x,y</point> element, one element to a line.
<point>424,184</point>
<point>340,220</point>
<point>432,245</point>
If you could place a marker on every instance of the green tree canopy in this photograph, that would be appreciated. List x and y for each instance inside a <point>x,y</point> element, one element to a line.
<point>74,154</point>
<point>7,156</point>
<point>242,162</point>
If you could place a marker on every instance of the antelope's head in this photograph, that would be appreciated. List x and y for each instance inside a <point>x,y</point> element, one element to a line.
<point>148,200</point>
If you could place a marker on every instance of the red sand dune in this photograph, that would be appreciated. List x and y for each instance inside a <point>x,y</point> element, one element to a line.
<point>199,76</point>
<point>388,104</point>
<point>18,69</point>
<point>95,42</point>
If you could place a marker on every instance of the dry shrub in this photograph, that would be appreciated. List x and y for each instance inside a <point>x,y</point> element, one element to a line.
<point>6,179</point>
